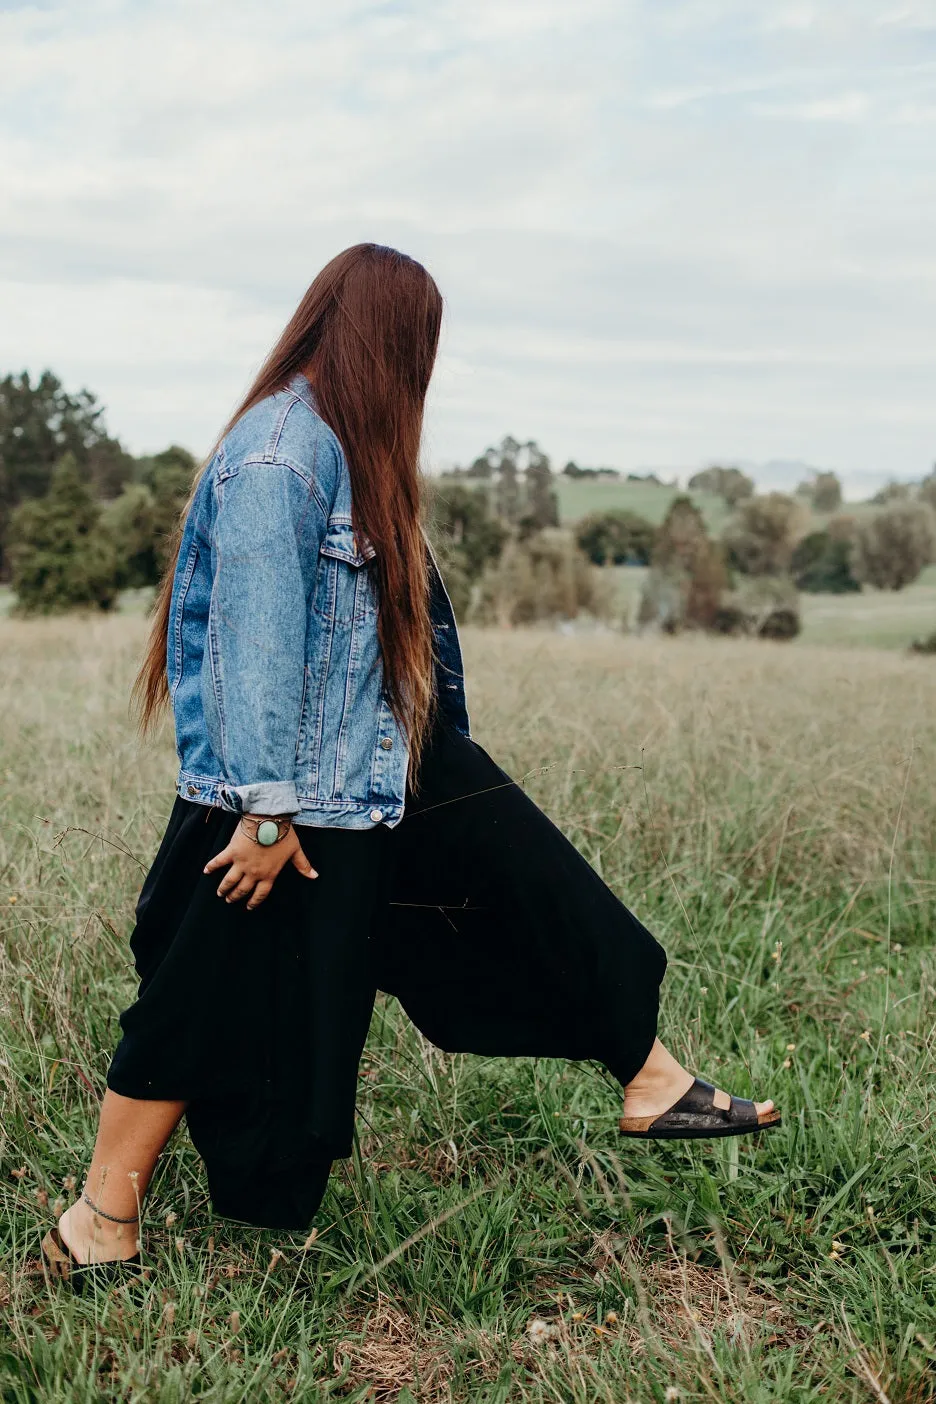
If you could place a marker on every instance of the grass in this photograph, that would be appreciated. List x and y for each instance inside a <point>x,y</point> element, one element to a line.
<point>875,618</point>
<point>770,813</point>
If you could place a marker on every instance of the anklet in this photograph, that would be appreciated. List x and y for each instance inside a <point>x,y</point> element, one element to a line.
<point>113,1217</point>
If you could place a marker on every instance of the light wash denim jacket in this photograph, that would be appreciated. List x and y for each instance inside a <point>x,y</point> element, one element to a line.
<point>274,666</point>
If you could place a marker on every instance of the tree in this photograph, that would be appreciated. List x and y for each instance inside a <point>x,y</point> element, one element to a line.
<point>169,477</point>
<point>891,492</point>
<point>761,537</point>
<point>507,485</point>
<point>821,564</point>
<point>894,544</point>
<point>730,484</point>
<point>130,523</point>
<point>827,492</point>
<point>60,557</point>
<point>616,537</point>
<point>927,490</point>
<point>687,575</point>
<point>39,423</point>
<point>461,522</point>
<point>542,504</point>
<point>823,491</point>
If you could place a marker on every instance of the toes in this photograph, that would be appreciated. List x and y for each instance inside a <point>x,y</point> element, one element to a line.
<point>762,1107</point>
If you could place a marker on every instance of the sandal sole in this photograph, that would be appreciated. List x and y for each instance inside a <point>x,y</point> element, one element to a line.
<point>699,1133</point>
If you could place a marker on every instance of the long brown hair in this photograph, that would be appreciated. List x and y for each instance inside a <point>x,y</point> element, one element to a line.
<point>365,334</point>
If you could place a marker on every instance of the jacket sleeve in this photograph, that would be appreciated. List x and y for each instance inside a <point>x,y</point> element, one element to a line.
<point>267,530</point>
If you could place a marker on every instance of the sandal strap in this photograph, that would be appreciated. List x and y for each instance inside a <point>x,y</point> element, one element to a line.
<point>696,1109</point>
<point>743,1112</point>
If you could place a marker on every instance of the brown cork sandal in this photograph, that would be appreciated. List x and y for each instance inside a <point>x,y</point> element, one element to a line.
<point>695,1117</point>
<point>62,1264</point>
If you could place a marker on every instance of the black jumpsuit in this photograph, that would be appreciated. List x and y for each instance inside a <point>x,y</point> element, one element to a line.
<point>257,1019</point>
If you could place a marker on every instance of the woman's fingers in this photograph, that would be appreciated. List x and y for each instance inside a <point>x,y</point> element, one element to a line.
<point>300,861</point>
<point>220,860</point>
<point>243,888</point>
<point>230,880</point>
<point>260,894</point>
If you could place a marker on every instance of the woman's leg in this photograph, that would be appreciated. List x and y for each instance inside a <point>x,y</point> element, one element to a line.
<point>131,1134</point>
<point>661,1082</point>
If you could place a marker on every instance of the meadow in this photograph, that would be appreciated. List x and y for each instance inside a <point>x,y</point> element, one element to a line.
<point>769,811</point>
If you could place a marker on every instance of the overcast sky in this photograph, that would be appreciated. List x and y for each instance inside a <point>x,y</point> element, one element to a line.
<point>668,232</point>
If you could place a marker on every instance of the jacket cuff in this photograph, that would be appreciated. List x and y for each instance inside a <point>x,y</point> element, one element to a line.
<point>267,797</point>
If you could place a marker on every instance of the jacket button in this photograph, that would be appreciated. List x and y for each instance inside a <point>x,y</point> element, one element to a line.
<point>191,790</point>
<point>376,815</point>
<point>386,743</point>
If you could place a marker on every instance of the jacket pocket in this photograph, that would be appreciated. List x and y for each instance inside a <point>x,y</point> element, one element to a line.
<point>341,544</point>
<point>344,591</point>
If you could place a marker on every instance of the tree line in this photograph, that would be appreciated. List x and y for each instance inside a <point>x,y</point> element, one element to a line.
<point>81,519</point>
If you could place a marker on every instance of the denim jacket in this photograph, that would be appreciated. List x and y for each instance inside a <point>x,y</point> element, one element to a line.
<point>274,666</point>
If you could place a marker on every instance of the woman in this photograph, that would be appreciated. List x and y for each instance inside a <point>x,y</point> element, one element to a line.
<point>335,830</point>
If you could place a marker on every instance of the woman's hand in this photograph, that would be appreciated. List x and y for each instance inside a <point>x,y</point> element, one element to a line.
<point>253,868</point>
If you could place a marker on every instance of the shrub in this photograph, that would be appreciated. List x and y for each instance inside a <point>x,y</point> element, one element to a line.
<point>821,564</point>
<point>893,545</point>
<point>766,608</point>
<point>761,538</point>
<point>60,556</point>
<point>544,577</point>
<point>687,576</point>
<point>927,645</point>
<point>616,537</point>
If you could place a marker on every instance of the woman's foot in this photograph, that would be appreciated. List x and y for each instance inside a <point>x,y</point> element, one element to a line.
<point>91,1239</point>
<point>660,1084</point>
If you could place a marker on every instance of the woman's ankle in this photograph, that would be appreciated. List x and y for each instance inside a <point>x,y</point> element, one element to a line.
<point>661,1069</point>
<point>92,1238</point>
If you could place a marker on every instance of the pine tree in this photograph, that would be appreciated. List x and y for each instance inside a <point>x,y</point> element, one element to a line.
<point>542,503</point>
<point>507,489</point>
<point>60,556</point>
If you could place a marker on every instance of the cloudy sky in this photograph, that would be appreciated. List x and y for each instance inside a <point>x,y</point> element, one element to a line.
<point>669,232</point>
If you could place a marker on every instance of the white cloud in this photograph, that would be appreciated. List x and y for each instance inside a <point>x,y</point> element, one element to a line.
<point>665,233</point>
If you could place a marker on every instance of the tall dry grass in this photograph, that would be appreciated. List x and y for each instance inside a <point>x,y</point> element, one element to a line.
<point>770,812</point>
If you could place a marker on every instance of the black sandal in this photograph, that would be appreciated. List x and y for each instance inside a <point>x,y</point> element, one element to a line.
<point>695,1116</point>
<point>62,1263</point>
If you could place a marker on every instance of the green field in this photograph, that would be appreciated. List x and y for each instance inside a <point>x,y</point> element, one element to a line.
<point>577,499</point>
<point>769,811</point>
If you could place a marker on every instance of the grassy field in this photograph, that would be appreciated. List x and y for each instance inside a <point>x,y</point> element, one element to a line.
<point>770,813</point>
<point>872,619</point>
<point>578,497</point>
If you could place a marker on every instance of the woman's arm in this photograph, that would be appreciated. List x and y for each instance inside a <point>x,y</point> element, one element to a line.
<point>267,530</point>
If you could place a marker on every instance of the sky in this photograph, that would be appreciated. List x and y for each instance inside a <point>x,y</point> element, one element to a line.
<point>668,232</point>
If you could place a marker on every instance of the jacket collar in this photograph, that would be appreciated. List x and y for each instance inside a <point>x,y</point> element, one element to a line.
<point>301,387</point>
